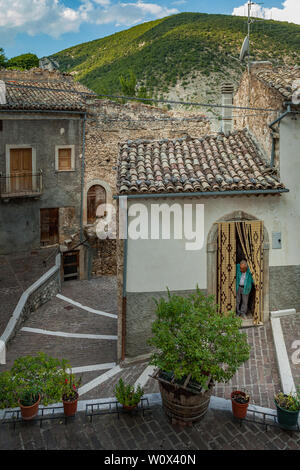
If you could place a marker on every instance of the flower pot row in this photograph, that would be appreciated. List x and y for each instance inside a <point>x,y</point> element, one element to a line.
<point>28,412</point>
<point>287,406</point>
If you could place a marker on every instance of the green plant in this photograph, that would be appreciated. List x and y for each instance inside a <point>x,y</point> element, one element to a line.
<point>42,373</point>
<point>70,387</point>
<point>127,395</point>
<point>29,396</point>
<point>241,398</point>
<point>7,388</point>
<point>289,402</point>
<point>192,339</point>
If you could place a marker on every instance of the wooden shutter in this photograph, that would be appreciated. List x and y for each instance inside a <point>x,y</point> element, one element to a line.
<point>20,169</point>
<point>64,159</point>
<point>226,297</point>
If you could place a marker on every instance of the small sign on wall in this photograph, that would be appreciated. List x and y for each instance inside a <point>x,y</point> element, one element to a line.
<point>276,240</point>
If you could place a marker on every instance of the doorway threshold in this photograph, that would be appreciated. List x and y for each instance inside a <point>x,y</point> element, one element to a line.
<point>248,323</point>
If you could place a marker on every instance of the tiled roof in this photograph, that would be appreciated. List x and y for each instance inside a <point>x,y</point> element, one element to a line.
<point>213,163</point>
<point>52,94</point>
<point>281,79</point>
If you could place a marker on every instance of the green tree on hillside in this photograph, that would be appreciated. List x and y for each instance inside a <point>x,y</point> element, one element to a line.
<point>128,84</point>
<point>2,57</point>
<point>23,61</point>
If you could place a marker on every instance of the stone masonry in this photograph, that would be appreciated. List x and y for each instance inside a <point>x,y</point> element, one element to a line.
<point>109,124</point>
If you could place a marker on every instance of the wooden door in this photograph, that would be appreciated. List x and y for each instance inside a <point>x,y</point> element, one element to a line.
<point>95,197</point>
<point>71,265</point>
<point>49,226</point>
<point>91,205</point>
<point>20,170</point>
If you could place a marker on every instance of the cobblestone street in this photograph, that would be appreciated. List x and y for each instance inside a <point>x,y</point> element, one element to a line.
<point>217,431</point>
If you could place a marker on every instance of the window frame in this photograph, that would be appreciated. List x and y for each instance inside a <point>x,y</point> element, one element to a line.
<point>62,147</point>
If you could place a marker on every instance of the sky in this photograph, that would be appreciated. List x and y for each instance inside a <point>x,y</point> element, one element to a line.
<point>44,27</point>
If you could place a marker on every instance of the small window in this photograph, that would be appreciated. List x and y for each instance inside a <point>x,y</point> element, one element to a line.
<point>64,158</point>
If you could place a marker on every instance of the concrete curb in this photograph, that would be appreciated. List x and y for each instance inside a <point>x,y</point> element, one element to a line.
<point>13,322</point>
<point>216,403</point>
<point>285,372</point>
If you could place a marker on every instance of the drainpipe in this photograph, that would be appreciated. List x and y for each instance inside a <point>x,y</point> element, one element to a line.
<point>271,126</point>
<point>85,242</point>
<point>82,176</point>
<point>123,216</point>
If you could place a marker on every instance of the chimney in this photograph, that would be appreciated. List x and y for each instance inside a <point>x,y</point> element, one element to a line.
<point>2,92</point>
<point>260,65</point>
<point>227,90</point>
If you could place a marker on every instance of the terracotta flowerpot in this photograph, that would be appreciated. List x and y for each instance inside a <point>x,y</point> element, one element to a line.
<point>29,412</point>
<point>129,408</point>
<point>70,407</point>
<point>239,409</point>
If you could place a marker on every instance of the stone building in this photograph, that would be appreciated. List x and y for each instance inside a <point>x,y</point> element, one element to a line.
<point>41,145</point>
<point>109,123</point>
<point>266,88</point>
<point>247,191</point>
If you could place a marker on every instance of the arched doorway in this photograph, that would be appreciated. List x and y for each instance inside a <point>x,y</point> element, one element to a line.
<point>96,196</point>
<point>214,268</point>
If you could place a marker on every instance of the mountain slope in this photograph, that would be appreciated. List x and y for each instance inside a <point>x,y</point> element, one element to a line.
<point>182,56</point>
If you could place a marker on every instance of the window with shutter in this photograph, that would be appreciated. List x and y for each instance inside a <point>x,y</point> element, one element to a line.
<point>64,159</point>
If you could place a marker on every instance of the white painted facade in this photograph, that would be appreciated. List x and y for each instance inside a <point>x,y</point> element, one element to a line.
<point>153,265</point>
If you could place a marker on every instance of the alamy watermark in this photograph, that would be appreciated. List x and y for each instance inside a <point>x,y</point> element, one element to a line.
<point>153,222</point>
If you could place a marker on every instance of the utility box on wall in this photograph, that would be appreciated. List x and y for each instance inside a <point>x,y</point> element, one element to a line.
<point>276,240</point>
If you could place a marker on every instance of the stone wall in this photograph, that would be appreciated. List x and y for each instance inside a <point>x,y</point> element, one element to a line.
<point>284,287</point>
<point>35,296</point>
<point>261,96</point>
<point>110,123</point>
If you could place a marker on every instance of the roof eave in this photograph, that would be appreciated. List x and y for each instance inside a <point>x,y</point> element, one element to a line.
<point>204,193</point>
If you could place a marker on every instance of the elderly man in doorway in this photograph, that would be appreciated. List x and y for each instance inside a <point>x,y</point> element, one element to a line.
<point>244,283</point>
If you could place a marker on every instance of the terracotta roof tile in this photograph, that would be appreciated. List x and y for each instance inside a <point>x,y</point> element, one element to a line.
<point>280,79</point>
<point>212,163</point>
<point>58,94</point>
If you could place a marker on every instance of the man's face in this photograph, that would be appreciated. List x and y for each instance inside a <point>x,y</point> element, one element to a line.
<point>243,267</point>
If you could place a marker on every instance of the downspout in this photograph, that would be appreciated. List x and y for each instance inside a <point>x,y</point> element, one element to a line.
<point>271,126</point>
<point>82,176</point>
<point>124,233</point>
<point>84,242</point>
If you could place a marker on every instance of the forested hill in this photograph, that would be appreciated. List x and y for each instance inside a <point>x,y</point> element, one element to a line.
<point>181,56</point>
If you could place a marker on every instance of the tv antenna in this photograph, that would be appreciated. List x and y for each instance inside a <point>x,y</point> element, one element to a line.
<point>245,50</point>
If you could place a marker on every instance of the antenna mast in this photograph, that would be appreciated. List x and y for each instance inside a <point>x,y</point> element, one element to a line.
<point>250,21</point>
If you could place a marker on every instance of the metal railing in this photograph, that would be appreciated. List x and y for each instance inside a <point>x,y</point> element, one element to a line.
<point>21,185</point>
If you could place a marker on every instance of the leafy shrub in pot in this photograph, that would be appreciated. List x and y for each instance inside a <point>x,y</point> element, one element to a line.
<point>192,340</point>
<point>288,408</point>
<point>127,395</point>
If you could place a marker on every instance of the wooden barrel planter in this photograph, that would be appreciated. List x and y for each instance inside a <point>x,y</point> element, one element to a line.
<point>182,406</point>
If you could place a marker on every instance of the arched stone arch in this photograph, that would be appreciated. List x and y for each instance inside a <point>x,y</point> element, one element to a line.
<point>89,184</point>
<point>212,251</point>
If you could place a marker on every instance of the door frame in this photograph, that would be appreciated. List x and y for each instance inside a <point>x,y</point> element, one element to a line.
<point>212,257</point>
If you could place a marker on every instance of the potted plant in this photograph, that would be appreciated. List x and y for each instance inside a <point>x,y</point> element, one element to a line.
<point>29,403</point>
<point>288,407</point>
<point>240,402</point>
<point>31,376</point>
<point>195,346</point>
<point>127,395</point>
<point>70,394</point>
